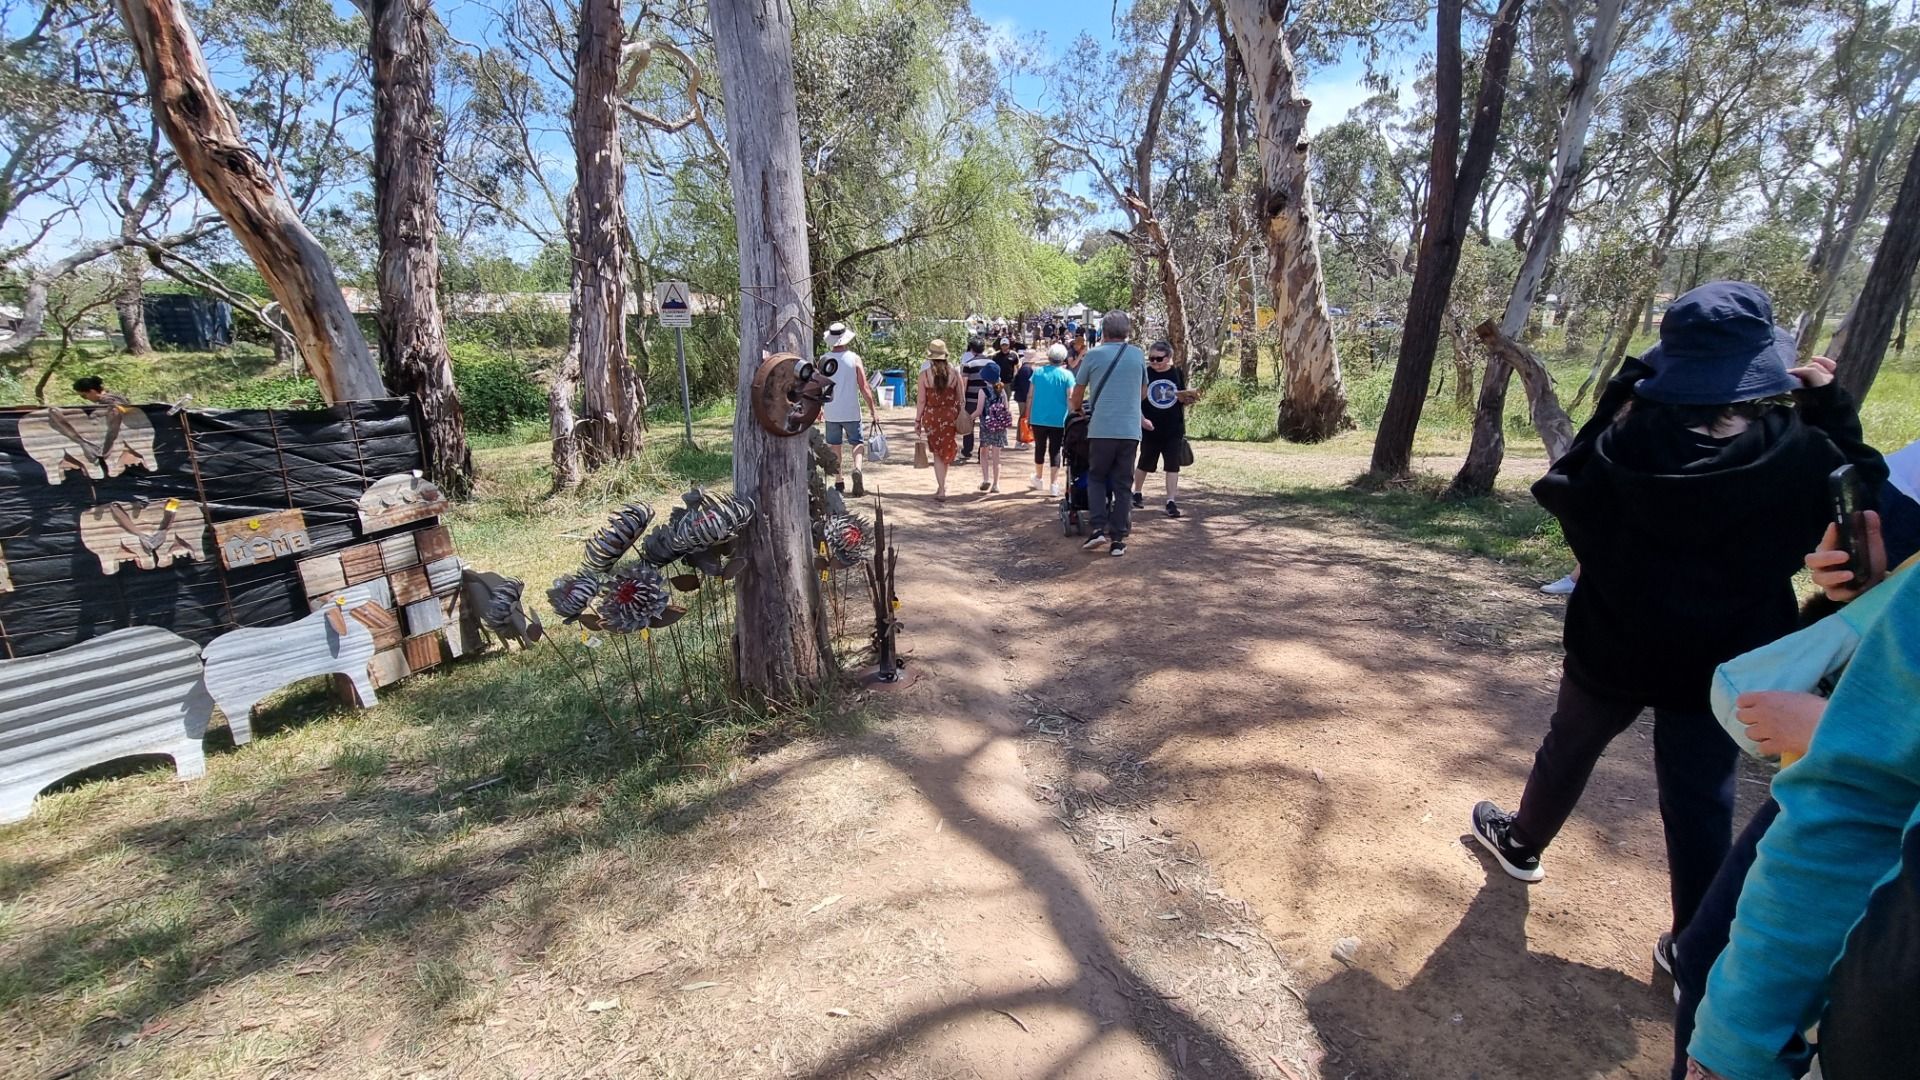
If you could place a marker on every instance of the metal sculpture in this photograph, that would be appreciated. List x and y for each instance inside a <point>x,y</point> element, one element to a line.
<point>96,443</point>
<point>636,599</point>
<point>398,500</point>
<point>573,593</point>
<point>135,691</point>
<point>606,547</point>
<point>496,602</point>
<point>243,666</point>
<point>789,392</point>
<point>701,533</point>
<point>849,540</point>
<point>148,535</point>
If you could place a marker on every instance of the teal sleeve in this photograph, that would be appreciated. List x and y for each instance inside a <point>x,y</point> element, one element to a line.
<point>1843,810</point>
<point>1082,373</point>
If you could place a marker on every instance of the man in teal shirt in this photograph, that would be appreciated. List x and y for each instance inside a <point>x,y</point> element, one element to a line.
<point>1111,382</point>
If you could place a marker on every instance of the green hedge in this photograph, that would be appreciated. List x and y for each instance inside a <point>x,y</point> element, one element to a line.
<point>496,389</point>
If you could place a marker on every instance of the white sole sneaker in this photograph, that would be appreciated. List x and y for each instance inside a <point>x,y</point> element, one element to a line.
<point>1530,875</point>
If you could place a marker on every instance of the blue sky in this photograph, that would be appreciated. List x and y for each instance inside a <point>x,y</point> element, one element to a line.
<point>1333,91</point>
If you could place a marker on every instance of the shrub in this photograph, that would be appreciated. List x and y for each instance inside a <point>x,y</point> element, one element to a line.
<point>496,389</point>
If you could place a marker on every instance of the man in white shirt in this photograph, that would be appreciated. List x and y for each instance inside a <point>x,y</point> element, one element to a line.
<point>842,414</point>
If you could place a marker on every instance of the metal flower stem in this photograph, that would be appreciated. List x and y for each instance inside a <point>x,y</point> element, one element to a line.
<point>599,699</point>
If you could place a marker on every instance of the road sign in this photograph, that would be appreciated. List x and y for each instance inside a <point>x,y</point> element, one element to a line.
<point>674,301</point>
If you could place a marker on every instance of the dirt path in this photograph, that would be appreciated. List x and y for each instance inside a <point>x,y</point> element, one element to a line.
<point>1307,713</point>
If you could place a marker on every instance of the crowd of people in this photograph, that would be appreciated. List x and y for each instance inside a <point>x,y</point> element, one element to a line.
<point>1716,468</point>
<point>1109,415</point>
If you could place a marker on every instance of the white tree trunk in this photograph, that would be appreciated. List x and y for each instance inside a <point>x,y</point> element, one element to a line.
<point>781,641</point>
<point>1313,403</point>
<point>1482,465</point>
<point>207,138</point>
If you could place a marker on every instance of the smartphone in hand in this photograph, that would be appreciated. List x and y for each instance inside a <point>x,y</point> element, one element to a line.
<point>1850,521</point>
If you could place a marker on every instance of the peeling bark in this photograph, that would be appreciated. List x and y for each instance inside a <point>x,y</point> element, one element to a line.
<point>1313,404</point>
<point>1484,456</point>
<point>406,152</point>
<point>610,428</point>
<point>207,139</point>
<point>782,646</point>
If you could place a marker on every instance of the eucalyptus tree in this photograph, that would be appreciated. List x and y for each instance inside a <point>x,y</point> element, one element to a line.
<point>1589,53</point>
<point>1455,175</point>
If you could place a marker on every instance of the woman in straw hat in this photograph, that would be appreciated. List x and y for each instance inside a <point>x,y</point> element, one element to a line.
<point>940,386</point>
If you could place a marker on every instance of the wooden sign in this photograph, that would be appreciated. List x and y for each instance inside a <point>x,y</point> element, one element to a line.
<point>95,442</point>
<point>398,552</point>
<point>134,691</point>
<point>361,563</point>
<point>434,544</point>
<point>322,574</point>
<point>149,536</point>
<point>243,666</point>
<point>255,540</point>
<point>399,499</point>
<point>410,586</point>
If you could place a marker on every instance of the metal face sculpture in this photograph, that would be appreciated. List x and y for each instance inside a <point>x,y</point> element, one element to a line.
<point>789,392</point>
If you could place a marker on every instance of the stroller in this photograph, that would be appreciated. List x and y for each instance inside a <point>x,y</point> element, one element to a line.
<point>1074,517</point>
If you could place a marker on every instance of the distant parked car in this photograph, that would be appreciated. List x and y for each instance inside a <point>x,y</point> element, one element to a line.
<point>1337,312</point>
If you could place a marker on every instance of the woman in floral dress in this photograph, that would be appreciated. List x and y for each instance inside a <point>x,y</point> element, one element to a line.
<point>940,387</point>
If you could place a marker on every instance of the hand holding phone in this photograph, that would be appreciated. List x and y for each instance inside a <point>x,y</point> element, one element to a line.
<point>1852,556</point>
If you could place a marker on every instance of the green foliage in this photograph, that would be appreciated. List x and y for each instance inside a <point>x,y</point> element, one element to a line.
<point>1103,283</point>
<point>496,389</point>
<point>1227,411</point>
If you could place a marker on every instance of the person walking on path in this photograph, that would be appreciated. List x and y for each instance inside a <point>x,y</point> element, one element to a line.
<point>940,409</point>
<point>979,370</point>
<point>992,418</point>
<point>1166,410</point>
<point>1047,413</point>
<point>842,414</point>
<point>1690,500</point>
<point>1110,384</point>
<point>1020,385</point>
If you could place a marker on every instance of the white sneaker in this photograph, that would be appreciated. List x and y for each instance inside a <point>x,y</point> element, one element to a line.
<point>1054,491</point>
<point>1033,483</point>
<point>1563,587</point>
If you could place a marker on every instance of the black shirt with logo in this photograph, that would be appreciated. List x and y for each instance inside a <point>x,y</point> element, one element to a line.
<point>1163,406</point>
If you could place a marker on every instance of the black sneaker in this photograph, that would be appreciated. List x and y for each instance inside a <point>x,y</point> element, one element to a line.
<point>1094,541</point>
<point>840,485</point>
<point>1663,953</point>
<point>1493,827</point>
<point>1117,548</point>
<point>1173,509</point>
<point>1139,501</point>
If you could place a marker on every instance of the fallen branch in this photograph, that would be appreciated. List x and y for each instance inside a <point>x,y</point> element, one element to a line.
<point>1543,405</point>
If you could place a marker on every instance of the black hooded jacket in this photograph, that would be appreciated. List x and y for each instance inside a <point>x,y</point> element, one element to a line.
<point>1688,546</point>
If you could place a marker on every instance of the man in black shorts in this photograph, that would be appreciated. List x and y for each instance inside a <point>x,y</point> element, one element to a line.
<point>1165,405</point>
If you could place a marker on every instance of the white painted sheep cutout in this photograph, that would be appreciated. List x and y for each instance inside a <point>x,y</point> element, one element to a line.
<point>131,692</point>
<point>246,665</point>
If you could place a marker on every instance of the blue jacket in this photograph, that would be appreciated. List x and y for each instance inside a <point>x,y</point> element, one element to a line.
<point>1843,811</point>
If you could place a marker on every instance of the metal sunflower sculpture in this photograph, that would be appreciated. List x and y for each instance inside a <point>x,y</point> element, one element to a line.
<point>701,534</point>
<point>617,537</point>
<point>636,599</point>
<point>573,593</point>
<point>849,540</point>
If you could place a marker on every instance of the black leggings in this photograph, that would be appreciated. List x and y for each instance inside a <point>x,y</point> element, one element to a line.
<point>1046,444</point>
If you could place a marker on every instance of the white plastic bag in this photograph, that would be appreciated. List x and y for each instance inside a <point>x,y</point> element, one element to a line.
<point>877,445</point>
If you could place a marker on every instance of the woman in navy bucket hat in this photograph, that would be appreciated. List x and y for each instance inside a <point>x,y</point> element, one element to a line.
<point>1689,498</point>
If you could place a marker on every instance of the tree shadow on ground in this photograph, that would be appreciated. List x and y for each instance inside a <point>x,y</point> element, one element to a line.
<point>1571,1019</point>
